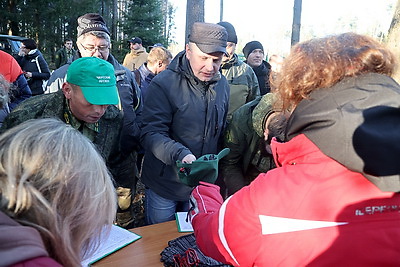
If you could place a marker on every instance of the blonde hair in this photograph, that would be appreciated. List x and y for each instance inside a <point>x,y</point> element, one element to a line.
<point>53,179</point>
<point>323,62</point>
<point>159,53</point>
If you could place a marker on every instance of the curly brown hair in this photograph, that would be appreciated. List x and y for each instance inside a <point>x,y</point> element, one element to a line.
<point>323,62</point>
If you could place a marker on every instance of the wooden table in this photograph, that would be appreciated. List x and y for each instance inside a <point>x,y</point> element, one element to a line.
<point>145,251</point>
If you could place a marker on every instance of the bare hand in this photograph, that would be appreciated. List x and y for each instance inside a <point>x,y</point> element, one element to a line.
<point>189,158</point>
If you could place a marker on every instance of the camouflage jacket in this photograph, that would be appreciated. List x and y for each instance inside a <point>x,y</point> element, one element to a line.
<point>243,137</point>
<point>53,106</point>
<point>242,82</point>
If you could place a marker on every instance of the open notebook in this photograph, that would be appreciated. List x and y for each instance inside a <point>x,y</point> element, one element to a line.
<point>118,238</point>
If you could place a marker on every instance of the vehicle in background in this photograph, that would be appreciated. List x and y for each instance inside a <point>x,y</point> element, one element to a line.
<point>10,43</point>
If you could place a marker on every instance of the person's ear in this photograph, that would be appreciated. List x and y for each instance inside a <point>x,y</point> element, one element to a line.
<point>67,90</point>
<point>160,63</point>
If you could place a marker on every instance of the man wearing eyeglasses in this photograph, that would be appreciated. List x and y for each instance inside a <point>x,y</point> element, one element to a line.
<point>94,41</point>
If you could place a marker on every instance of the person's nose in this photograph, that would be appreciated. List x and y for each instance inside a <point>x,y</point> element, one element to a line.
<point>209,65</point>
<point>97,54</point>
<point>100,109</point>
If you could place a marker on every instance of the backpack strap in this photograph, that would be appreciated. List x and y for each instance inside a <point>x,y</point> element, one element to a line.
<point>137,76</point>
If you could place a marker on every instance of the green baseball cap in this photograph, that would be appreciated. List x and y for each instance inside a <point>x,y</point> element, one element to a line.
<point>96,79</point>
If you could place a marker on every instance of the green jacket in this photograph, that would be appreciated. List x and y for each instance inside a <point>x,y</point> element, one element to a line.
<point>61,57</point>
<point>242,82</point>
<point>243,136</point>
<point>53,105</point>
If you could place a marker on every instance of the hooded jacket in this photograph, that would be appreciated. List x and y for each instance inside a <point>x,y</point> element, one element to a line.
<point>22,246</point>
<point>318,207</point>
<point>182,115</point>
<point>35,63</point>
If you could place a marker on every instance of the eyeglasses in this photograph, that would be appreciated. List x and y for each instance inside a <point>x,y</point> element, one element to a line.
<point>92,49</point>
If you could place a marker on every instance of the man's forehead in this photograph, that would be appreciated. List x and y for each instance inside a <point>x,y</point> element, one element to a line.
<point>197,50</point>
<point>91,39</point>
<point>257,50</point>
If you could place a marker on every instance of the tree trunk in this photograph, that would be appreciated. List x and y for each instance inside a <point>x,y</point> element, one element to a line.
<point>221,11</point>
<point>393,38</point>
<point>194,13</point>
<point>296,22</point>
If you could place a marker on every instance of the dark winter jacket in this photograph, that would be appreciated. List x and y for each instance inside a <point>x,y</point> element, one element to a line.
<point>182,115</point>
<point>35,63</point>
<point>262,73</point>
<point>145,76</point>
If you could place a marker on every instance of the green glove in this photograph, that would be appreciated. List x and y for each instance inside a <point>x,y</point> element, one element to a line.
<point>204,169</point>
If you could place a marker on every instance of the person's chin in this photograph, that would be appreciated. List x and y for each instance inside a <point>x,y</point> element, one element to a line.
<point>206,77</point>
<point>92,119</point>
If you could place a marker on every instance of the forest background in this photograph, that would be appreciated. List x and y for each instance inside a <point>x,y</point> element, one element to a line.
<point>156,21</point>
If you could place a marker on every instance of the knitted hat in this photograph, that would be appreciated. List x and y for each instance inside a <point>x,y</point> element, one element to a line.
<point>203,169</point>
<point>209,37</point>
<point>91,22</point>
<point>250,46</point>
<point>231,31</point>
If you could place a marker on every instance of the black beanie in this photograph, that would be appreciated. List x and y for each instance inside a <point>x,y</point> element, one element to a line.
<point>91,22</point>
<point>250,46</point>
<point>231,31</point>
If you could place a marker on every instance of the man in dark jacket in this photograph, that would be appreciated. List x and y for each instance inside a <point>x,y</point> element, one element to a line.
<point>254,53</point>
<point>183,118</point>
<point>94,41</point>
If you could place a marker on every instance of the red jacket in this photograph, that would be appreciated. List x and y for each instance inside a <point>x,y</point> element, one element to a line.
<point>9,67</point>
<point>311,211</point>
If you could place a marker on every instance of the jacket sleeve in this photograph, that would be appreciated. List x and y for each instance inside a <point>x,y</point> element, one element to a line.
<point>21,93</point>
<point>253,83</point>
<point>232,164</point>
<point>57,60</point>
<point>228,232</point>
<point>45,72</point>
<point>131,102</point>
<point>157,120</point>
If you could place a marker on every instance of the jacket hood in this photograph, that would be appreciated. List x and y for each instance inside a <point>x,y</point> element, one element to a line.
<point>357,123</point>
<point>261,112</point>
<point>33,53</point>
<point>230,62</point>
<point>18,243</point>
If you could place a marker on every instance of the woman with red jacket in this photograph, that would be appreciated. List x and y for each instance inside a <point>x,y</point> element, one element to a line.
<point>333,199</point>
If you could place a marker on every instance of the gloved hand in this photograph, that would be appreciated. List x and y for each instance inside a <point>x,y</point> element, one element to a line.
<point>205,198</point>
<point>189,158</point>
